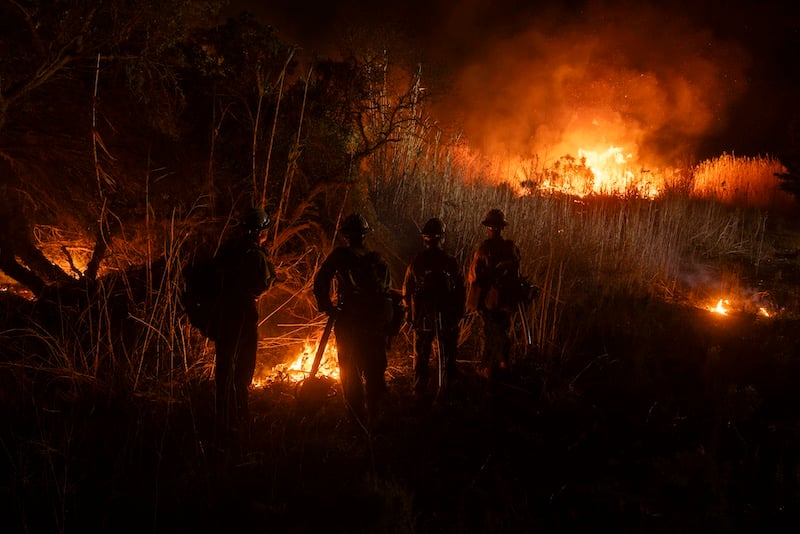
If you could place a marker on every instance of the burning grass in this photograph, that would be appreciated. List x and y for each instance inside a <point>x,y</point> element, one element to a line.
<point>298,365</point>
<point>741,181</point>
<point>658,392</point>
<point>598,246</point>
<point>581,247</point>
<point>611,354</point>
<point>725,306</point>
<point>729,179</point>
<point>626,259</point>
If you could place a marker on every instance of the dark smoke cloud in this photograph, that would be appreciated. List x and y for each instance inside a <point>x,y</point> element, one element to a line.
<point>676,78</point>
<point>642,76</point>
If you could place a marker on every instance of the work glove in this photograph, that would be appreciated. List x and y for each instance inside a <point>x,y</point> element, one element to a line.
<point>329,309</point>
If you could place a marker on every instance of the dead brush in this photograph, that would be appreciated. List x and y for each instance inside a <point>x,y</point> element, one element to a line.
<point>741,181</point>
<point>580,250</point>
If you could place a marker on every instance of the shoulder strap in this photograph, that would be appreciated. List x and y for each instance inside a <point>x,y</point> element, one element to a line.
<point>367,269</point>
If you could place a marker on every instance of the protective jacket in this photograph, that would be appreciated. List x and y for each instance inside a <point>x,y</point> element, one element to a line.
<point>496,261</point>
<point>353,284</point>
<point>246,273</point>
<point>356,281</point>
<point>434,284</point>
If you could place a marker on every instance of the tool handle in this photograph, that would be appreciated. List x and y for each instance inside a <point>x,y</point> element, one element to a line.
<point>323,342</point>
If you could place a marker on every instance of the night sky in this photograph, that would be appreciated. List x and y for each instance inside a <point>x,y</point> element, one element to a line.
<point>691,79</point>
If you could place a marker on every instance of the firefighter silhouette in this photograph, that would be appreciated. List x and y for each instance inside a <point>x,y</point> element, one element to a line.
<point>495,260</point>
<point>245,274</point>
<point>434,292</point>
<point>353,285</point>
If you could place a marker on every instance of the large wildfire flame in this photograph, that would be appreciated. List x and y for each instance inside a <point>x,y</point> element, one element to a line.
<point>606,170</point>
<point>619,98</point>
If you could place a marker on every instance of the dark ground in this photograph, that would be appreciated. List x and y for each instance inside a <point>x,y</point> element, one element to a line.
<point>678,420</point>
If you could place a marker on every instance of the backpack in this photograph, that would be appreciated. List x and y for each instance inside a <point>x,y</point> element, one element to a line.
<point>438,291</point>
<point>366,274</point>
<point>201,293</point>
<point>511,289</point>
<point>436,286</point>
<point>365,279</point>
<point>394,325</point>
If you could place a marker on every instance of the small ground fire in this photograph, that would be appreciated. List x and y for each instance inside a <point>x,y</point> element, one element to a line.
<point>299,367</point>
<point>722,307</point>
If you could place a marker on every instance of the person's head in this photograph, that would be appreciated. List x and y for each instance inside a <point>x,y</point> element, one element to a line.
<point>433,232</point>
<point>495,222</point>
<point>255,222</point>
<point>354,228</point>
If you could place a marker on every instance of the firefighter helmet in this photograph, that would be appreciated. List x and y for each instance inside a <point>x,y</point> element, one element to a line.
<point>495,219</point>
<point>355,224</point>
<point>433,228</point>
<point>256,220</point>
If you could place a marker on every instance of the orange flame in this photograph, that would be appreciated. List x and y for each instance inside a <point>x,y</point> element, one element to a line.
<point>724,307</point>
<point>721,307</point>
<point>604,170</point>
<point>299,367</point>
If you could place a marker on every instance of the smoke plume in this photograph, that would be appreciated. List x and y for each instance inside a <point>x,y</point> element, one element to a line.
<point>641,78</point>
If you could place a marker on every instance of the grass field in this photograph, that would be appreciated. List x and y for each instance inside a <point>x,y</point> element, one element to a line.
<point>636,407</point>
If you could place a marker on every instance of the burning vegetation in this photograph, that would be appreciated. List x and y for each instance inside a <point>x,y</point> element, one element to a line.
<point>126,152</point>
<point>298,368</point>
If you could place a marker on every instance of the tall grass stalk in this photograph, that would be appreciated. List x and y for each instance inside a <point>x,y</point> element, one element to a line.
<point>291,168</point>
<point>262,197</point>
<point>741,181</point>
<point>578,249</point>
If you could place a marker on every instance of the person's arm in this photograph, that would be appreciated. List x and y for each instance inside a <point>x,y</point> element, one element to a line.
<point>387,276</point>
<point>517,259</point>
<point>459,289</point>
<point>263,272</point>
<point>476,281</point>
<point>409,284</point>
<point>322,285</point>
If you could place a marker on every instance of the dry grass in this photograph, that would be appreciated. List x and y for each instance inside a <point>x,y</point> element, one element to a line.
<point>577,249</point>
<point>581,252</point>
<point>741,181</point>
<point>584,249</point>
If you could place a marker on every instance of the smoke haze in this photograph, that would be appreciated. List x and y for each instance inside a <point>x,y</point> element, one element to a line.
<point>599,80</point>
<point>667,82</point>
